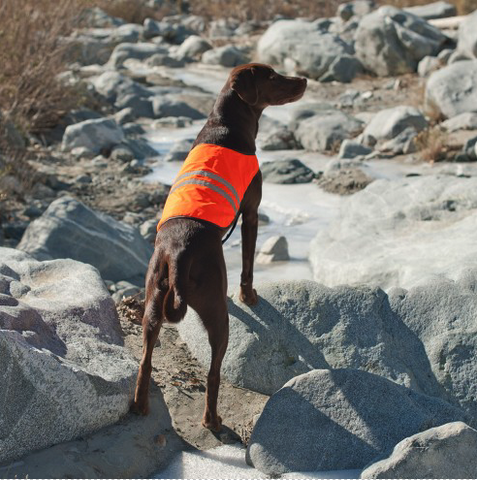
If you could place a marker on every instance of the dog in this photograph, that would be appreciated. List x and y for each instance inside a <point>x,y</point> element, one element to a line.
<point>188,266</point>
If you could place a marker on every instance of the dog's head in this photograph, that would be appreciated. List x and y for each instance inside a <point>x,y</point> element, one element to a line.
<point>259,85</point>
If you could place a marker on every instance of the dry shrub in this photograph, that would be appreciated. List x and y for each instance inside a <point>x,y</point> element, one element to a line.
<point>131,11</point>
<point>432,144</point>
<point>264,9</point>
<point>463,6</point>
<point>31,57</point>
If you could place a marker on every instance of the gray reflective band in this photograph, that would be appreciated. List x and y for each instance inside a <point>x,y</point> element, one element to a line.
<point>205,183</point>
<point>213,176</point>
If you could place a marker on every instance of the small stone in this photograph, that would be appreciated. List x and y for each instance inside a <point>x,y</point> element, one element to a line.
<point>275,249</point>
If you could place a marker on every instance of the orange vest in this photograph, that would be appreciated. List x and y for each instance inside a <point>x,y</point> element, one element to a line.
<point>210,185</point>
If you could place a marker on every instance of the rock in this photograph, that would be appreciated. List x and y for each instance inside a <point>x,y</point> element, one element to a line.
<point>175,122</point>
<point>428,65</point>
<point>61,349</point>
<point>343,69</point>
<point>391,42</point>
<point>193,47</point>
<point>223,27</point>
<point>281,139</point>
<point>404,143</point>
<point>339,419</point>
<point>125,289</point>
<point>95,17</point>
<point>309,47</point>
<point>171,32</point>
<point>126,115</point>
<point>121,153</point>
<point>167,107</point>
<point>302,325</point>
<point>69,229</point>
<point>275,249</point>
<point>179,150</point>
<point>162,59</point>
<point>227,56</point>
<point>440,314</point>
<point>463,121</point>
<point>457,56</point>
<point>389,123</point>
<point>286,171</point>
<point>469,150</point>
<point>447,451</point>
<point>444,55</point>
<point>133,129</point>
<point>326,130</point>
<point>453,89</point>
<point>356,7</point>
<point>148,230</point>
<point>345,181</point>
<point>112,85</point>
<point>137,51</point>
<point>140,106</point>
<point>467,40</point>
<point>140,148</point>
<point>305,111</point>
<point>352,149</point>
<point>433,10</point>
<point>399,233</point>
<point>95,135</point>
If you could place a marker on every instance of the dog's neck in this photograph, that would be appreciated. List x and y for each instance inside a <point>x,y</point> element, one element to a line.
<point>232,124</point>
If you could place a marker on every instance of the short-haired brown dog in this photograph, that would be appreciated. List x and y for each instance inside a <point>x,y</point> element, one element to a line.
<point>188,266</point>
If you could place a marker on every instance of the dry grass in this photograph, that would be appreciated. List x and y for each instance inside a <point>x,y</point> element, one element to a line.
<point>463,6</point>
<point>432,144</point>
<point>131,11</point>
<point>264,9</point>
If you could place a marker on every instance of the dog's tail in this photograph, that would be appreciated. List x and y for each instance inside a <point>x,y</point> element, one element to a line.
<point>175,302</point>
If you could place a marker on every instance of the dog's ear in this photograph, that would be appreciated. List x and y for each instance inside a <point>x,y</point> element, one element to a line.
<point>244,84</point>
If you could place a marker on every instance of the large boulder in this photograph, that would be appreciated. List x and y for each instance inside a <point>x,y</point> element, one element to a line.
<point>467,40</point>
<point>193,47</point>
<point>452,90</point>
<point>65,371</point>
<point>113,85</point>
<point>94,135</point>
<point>307,45</point>
<point>326,130</point>
<point>442,314</point>
<point>389,123</point>
<point>69,229</point>
<point>447,451</point>
<point>227,56</point>
<point>339,419</point>
<point>397,233</point>
<point>300,326</point>
<point>390,41</point>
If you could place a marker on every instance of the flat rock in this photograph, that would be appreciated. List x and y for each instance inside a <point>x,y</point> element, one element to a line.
<point>447,451</point>
<point>464,121</point>
<point>69,229</point>
<point>61,349</point>
<point>339,419</point>
<point>299,326</point>
<point>452,90</point>
<point>399,233</point>
<point>433,10</point>
<point>286,171</point>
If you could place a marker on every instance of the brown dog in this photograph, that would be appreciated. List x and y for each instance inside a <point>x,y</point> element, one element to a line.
<point>188,267</point>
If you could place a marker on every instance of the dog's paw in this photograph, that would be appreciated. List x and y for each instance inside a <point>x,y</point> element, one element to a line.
<point>214,425</point>
<point>139,408</point>
<point>249,297</point>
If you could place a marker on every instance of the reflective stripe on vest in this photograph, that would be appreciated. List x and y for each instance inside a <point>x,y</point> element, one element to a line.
<point>210,185</point>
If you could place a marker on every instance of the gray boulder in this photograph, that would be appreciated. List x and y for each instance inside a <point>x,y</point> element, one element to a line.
<point>113,85</point>
<point>343,69</point>
<point>140,148</point>
<point>170,107</point>
<point>179,150</point>
<point>193,47</point>
<point>164,60</point>
<point>442,314</point>
<point>399,233</point>
<point>171,32</point>
<point>463,121</point>
<point>65,371</point>
<point>339,419</point>
<point>138,105</point>
<point>433,10</point>
<point>136,51</point>
<point>95,135</point>
<point>404,143</point>
<point>286,171</point>
<point>280,139</point>
<point>274,249</point>
<point>447,451</point>
<point>227,56</point>
<point>390,41</point>
<point>467,40</point>
<point>352,149</point>
<point>326,130</point>
<point>389,123</point>
<point>300,326</point>
<point>452,90</point>
<point>69,229</point>
<point>306,45</point>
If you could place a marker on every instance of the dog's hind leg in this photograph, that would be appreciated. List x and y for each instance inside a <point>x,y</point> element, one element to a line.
<point>151,324</point>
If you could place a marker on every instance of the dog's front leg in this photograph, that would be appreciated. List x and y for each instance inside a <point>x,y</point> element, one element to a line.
<point>249,210</point>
